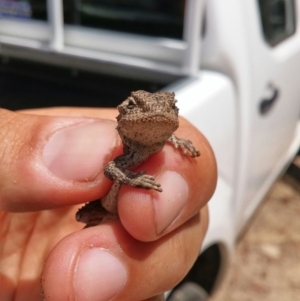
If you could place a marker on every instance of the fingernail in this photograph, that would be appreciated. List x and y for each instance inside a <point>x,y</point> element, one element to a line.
<point>79,152</point>
<point>171,201</point>
<point>99,276</point>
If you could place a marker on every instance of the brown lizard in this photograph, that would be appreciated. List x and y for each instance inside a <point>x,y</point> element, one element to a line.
<point>146,121</point>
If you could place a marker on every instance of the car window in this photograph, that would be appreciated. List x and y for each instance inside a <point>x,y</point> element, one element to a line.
<point>24,9</point>
<point>278,19</point>
<point>161,18</point>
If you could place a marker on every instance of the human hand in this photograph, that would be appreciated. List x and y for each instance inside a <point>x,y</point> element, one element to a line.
<point>49,165</point>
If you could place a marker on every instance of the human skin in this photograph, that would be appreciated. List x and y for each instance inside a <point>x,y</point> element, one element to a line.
<point>52,162</point>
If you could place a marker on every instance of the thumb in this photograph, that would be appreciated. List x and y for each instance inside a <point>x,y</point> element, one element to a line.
<point>48,162</point>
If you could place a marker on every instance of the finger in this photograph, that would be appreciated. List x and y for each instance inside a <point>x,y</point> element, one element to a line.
<point>105,262</point>
<point>187,184</point>
<point>49,162</point>
<point>74,112</point>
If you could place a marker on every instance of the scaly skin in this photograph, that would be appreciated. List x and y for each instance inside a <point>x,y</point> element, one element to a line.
<point>145,123</point>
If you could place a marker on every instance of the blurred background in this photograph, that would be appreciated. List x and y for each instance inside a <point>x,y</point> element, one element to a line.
<point>43,81</point>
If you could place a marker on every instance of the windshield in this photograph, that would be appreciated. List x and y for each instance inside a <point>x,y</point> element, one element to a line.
<point>160,18</point>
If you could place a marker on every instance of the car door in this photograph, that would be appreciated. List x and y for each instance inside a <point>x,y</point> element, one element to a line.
<point>275,107</point>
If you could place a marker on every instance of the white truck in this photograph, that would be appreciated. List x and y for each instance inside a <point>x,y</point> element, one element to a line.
<point>234,66</point>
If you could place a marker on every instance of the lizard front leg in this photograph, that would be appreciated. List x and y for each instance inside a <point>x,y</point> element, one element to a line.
<point>185,145</point>
<point>117,171</point>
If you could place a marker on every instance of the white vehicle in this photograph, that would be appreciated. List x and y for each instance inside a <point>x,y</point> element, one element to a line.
<point>234,66</point>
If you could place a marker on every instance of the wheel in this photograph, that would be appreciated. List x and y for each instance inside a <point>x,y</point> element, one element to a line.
<point>188,291</point>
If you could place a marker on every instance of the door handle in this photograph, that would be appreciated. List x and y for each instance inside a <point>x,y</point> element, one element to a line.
<point>267,103</point>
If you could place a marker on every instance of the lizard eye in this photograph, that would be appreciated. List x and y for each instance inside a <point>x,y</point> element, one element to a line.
<point>130,105</point>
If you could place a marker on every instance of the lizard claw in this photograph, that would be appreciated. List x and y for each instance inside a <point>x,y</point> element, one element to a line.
<point>185,145</point>
<point>145,181</point>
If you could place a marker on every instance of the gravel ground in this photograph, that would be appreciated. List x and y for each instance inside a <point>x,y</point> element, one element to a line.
<point>266,264</point>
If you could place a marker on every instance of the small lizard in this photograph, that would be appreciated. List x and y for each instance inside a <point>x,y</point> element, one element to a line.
<point>146,121</point>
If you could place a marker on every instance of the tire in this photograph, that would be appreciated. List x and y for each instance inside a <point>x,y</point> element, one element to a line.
<point>188,291</point>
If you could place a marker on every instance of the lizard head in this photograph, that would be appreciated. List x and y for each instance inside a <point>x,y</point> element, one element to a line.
<point>147,118</point>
